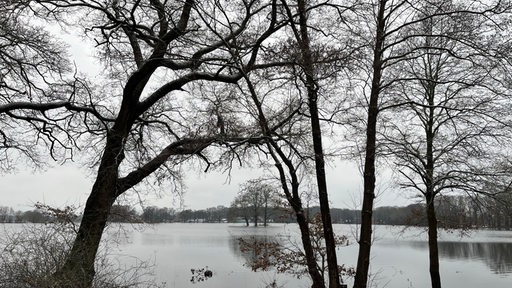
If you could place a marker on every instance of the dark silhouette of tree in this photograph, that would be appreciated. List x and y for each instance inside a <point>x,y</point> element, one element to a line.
<point>365,238</point>
<point>452,105</point>
<point>285,101</point>
<point>158,56</point>
<point>393,25</point>
<point>310,79</point>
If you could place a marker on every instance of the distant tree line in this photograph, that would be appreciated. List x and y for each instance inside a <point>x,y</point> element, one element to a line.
<point>40,214</point>
<point>454,212</point>
<point>8,215</point>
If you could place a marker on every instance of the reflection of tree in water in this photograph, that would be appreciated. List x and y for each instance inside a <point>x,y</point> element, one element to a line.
<point>498,256</point>
<point>285,254</point>
<point>262,253</point>
<point>249,256</point>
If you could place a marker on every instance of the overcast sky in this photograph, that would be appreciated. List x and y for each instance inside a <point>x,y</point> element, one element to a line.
<point>70,185</point>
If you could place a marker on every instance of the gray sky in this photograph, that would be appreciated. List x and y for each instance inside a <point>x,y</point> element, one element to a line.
<point>70,185</point>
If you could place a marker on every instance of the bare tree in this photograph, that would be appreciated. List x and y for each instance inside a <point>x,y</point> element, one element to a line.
<point>158,55</point>
<point>285,118</point>
<point>311,83</point>
<point>454,128</point>
<point>283,146</point>
<point>392,27</point>
<point>240,208</point>
<point>255,198</point>
<point>365,238</point>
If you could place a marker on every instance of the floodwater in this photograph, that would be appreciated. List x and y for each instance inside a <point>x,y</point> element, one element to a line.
<point>399,256</point>
<point>479,259</point>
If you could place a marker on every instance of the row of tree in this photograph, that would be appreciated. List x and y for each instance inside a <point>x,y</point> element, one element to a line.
<point>454,212</point>
<point>420,86</point>
<point>8,215</point>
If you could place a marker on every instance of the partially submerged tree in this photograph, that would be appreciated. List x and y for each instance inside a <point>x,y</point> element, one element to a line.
<point>393,29</point>
<point>285,104</point>
<point>283,145</point>
<point>310,80</point>
<point>377,66</point>
<point>254,200</point>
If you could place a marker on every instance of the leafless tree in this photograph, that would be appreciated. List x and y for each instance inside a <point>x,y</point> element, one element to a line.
<point>454,128</point>
<point>310,81</point>
<point>284,101</point>
<point>158,56</point>
<point>254,199</point>
<point>393,29</point>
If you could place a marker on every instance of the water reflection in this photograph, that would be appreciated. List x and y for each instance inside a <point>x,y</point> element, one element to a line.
<point>250,253</point>
<point>176,248</point>
<point>496,255</point>
<point>266,235</point>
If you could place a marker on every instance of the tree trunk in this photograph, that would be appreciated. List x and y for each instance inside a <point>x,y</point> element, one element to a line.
<point>78,270</point>
<point>312,91</point>
<point>432,242</point>
<point>316,277</point>
<point>429,181</point>
<point>365,239</point>
<point>330,243</point>
<point>256,216</point>
<point>265,213</point>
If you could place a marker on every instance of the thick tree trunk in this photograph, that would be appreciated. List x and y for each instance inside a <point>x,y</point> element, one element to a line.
<point>432,243</point>
<point>365,239</point>
<point>78,270</point>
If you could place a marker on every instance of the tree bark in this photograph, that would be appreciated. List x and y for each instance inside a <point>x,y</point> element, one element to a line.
<point>365,239</point>
<point>429,182</point>
<point>316,133</point>
<point>78,269</point>
<point>314,273</point>
<point>433,248</point>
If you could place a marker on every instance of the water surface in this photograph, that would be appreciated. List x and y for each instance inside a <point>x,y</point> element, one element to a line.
<point>399,257</point>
